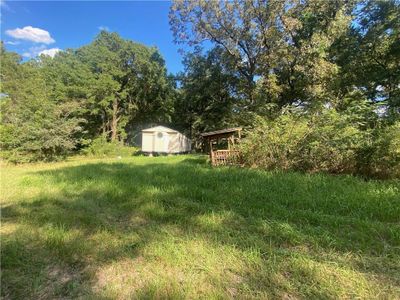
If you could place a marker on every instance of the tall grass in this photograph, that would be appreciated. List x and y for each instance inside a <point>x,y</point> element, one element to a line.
<point>173,227</point>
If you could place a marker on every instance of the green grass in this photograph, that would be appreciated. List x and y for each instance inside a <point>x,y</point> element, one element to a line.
<point>172,227</point>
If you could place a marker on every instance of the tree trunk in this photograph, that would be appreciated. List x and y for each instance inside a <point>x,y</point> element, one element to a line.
<point>104,126</point>
<point>114,121</point>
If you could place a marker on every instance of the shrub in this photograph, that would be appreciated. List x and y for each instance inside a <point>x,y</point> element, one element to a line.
<point>36,130</point>
<point>274,145</point>
<point>332,143</point>
<point>101,147</point>
<point>379,156</point>
<point>326,141</point>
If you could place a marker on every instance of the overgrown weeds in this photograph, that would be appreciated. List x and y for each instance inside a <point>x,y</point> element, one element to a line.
<point>326,141</point>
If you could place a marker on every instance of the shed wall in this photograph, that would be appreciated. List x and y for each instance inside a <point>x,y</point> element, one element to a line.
<point>179,143</point>
<point>170,142</point>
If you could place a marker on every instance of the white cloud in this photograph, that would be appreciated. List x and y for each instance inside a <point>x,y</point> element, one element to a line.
<point>50,52</point>
<point>12,43</point>
<point>103,28</point>
<point>32,34</point>
<point>34,51</point>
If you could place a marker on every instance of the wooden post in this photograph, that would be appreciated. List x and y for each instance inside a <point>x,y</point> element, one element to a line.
<point>233,140</point>
<point>211,151</point>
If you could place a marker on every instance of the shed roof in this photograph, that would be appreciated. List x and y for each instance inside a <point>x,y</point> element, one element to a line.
<point>222,131</point>
<point>159,128</point>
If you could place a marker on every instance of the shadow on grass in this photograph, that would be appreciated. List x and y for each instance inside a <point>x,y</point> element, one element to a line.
<point>101,213</point>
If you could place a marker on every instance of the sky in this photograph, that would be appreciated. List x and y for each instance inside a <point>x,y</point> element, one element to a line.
<point>33,27</point>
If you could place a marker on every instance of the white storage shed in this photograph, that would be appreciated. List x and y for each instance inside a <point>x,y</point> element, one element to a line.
<point>161,139</point>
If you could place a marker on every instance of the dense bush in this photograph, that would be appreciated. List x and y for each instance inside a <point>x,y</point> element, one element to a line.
<point>35,130</point>
<point>379,155</point>
<point>101,147</point>
<point>33,126</point>
<point>326,141</point>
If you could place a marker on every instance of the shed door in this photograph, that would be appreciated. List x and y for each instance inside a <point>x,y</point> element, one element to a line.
<point>147,142</point>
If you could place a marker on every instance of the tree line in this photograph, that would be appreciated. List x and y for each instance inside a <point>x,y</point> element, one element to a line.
<point>245,63</point>
<point>52,107</point>
<point>266,55</point>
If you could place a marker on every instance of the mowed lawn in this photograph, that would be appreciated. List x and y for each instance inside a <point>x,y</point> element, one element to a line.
<point>173,227</point>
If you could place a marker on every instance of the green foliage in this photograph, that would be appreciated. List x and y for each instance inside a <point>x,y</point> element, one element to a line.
<point>205,101</point>
<point>284,43</point>
<point>369,53</point>
<point>379,155</point>
<point>265,55</point>
<point>289,52</point>
<point>325,141</point>
<point>33,127</point>
<point>100,147</point>
<point>51,106</point>
<point>45,135</point>
<point>129,85</point>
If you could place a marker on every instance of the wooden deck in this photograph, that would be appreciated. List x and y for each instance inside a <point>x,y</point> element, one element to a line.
<point>225,157</point>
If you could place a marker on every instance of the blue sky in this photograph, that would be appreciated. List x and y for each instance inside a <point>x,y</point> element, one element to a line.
<point>30,27</point>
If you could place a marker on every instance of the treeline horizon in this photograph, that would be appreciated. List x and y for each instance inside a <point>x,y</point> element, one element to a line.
<point>267,59</point>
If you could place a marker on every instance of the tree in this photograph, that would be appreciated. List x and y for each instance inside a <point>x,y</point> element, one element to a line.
<point>128,79</point>
<point>279,48</point>
<point>206,99</point>
<point>32,126</point>
<point>369,54</point>
<point>52,106</point>
<point>228,24</point>
<point>69,83</point>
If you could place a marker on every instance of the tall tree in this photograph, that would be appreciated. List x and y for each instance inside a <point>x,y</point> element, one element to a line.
<point>33,127</point>
<point>129,79</point>
<point>51,106</point>
<point>284,44</point>
<point>369,54</point>
<point>69,83</point>
<point>207,90</point>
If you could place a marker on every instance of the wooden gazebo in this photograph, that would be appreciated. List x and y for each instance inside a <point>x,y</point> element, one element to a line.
<point>220,157</point>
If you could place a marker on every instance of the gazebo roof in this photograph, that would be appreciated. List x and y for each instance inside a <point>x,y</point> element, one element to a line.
<point>221,132</point>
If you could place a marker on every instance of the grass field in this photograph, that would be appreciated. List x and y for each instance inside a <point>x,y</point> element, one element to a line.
<point>172,227</point>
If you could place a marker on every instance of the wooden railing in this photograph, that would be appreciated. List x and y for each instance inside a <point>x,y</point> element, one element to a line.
<point>225,157</point>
